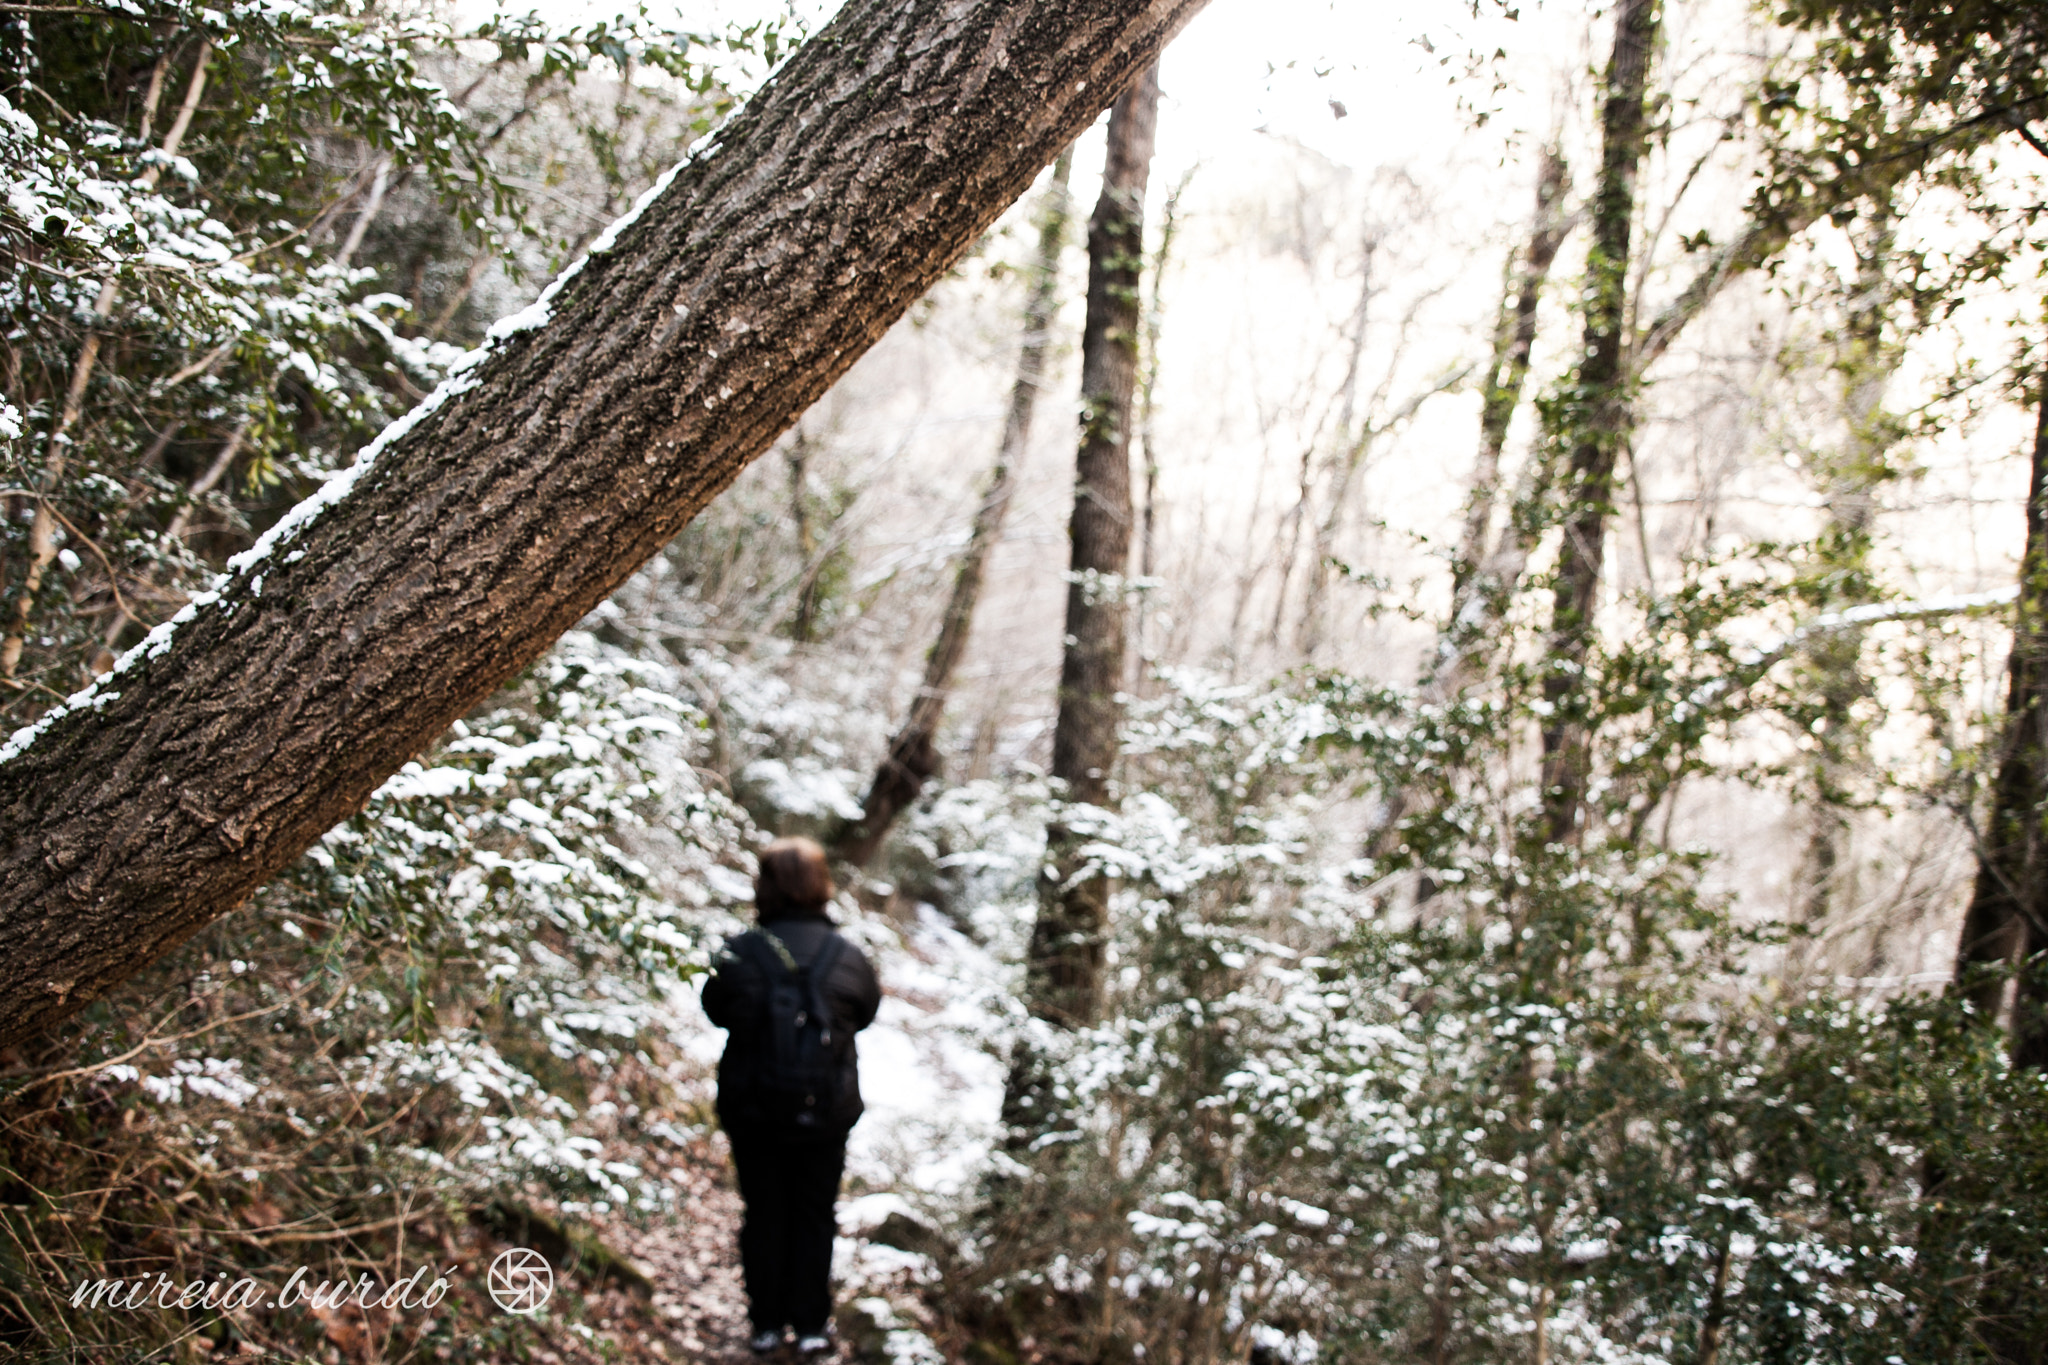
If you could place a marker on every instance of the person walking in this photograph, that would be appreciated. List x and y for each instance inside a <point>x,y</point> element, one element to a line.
<point>790,993</point>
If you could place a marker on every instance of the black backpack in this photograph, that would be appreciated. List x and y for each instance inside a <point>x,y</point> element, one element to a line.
<point>796,1081</point>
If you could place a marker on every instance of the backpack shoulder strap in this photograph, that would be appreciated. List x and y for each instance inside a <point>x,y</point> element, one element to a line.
<point>769,952</point>
<point>827,958</point>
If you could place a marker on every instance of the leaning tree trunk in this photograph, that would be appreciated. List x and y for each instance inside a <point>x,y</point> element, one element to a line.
<point>913,754</point>
<point>2008,914</point>
<point>1065,959</point>
<point>498,513</point>
<point>1598,416</point>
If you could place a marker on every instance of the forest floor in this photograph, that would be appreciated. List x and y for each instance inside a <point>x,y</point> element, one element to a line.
<point>699,1310</point>
<point>696,1309</point>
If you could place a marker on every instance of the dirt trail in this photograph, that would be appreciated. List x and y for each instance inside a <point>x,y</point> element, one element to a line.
<point>698,1304</point>
<point>698,1310</point>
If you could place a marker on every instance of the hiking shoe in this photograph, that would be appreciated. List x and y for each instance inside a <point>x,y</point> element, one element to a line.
<point>761,1343</point>
<point>816,1344</point>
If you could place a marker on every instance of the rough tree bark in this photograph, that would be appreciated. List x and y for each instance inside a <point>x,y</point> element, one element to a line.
<point>1065,956</point>
<point>2008,914</point>
<point>1598,412</point>
<point>507,507</point>
<point>912,755</point>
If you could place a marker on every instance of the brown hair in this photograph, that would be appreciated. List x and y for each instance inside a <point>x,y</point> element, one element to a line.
<point>794,881</point>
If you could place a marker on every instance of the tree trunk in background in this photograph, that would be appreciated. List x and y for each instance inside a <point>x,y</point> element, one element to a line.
<point>1351,450</point>
<point>1065,962</point>
<point>912,756</point>
<point>803,624</point>
<point>1148,384</point>
<point>1852,478</point>
<point>1514,340</point>
<point>509,505</point>
<point>2008,914</point>
<point>1598,415</point>
<point>1483,581</point>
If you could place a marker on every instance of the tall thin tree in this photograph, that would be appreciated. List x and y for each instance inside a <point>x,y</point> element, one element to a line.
<point>1065,962</point>
<point>2008,914</point>
<point>1851,475</point>
<point>1148,444</point>
<point>1488,567</point>
<point>1978,65</point>
<point>1514,342</point>
<point>912,756</point>
<point>803,622</point>
<point>1597,414</point>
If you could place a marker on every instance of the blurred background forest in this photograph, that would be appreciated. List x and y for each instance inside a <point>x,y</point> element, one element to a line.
<point>1562,877</point>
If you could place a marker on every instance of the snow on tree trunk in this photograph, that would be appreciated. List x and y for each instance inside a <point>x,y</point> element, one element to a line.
<point>573,447</point>
<point>1065,958</point>
<point>913,755</point>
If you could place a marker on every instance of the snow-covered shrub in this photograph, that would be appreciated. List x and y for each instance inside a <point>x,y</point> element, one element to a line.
<point>200,333</point>
<point>1481,1094</point>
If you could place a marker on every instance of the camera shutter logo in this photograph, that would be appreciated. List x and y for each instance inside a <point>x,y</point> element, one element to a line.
<point>520,1281</point>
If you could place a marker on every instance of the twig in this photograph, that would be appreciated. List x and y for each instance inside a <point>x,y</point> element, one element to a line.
<point>200,366</point>
<point>213,475</point>
<point>90,544</point>
<point>148,1043</point>
<point>259,1237</point>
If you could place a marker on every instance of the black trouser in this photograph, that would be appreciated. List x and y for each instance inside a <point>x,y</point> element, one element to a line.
<point>789,1187</point>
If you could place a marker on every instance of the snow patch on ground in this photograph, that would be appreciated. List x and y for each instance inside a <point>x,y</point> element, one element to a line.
<point>929,1069</point>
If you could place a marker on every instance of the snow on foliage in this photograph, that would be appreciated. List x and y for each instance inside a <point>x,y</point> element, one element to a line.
<point>232,274</point>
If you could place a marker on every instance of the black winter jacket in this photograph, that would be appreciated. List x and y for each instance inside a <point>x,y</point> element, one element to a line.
<point>736,998</point>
